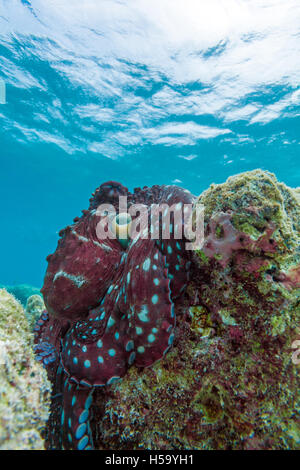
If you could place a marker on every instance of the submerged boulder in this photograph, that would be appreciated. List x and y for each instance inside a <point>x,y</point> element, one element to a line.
<point>231,380</point>
<point>24,387</point>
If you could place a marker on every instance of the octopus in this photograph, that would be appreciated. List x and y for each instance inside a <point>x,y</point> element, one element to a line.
<point>110,301</point>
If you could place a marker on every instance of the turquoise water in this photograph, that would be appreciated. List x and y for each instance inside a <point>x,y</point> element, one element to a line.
<point>140,92</point>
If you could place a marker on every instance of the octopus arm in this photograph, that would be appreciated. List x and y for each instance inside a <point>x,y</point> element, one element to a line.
<point>151,317</point>
<point>93,352</point>
<point>47,334</point>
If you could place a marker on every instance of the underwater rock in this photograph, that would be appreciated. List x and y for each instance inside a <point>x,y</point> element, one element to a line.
<point>24,387</point>
<point>34,308</point>
<point>22,292</point>
<point>230,381</point>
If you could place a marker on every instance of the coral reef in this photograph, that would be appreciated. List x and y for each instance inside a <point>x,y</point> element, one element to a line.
<point>230,380</point>
<point>34,308</point>
<point>21,291</point>
<point>24,387</point>
<point>110,300</point>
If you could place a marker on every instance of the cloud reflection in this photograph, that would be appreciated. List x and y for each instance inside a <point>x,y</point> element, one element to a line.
<point>148,72</point>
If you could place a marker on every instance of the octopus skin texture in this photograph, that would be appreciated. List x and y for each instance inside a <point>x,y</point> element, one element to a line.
<point>109,306</point>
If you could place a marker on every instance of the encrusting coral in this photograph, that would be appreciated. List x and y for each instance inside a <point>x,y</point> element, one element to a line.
<point>24,387</point>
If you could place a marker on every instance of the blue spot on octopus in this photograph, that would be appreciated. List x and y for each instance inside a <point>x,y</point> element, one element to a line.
<point>110,303</point>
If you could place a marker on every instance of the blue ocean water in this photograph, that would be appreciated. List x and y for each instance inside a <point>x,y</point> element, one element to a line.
<point>160,92</point>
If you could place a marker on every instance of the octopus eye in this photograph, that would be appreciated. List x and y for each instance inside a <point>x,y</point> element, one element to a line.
<point>121,225</point>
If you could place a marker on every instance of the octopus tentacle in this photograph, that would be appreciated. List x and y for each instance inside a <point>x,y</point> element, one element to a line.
<point>76,432</point>
<point>151,315</point>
